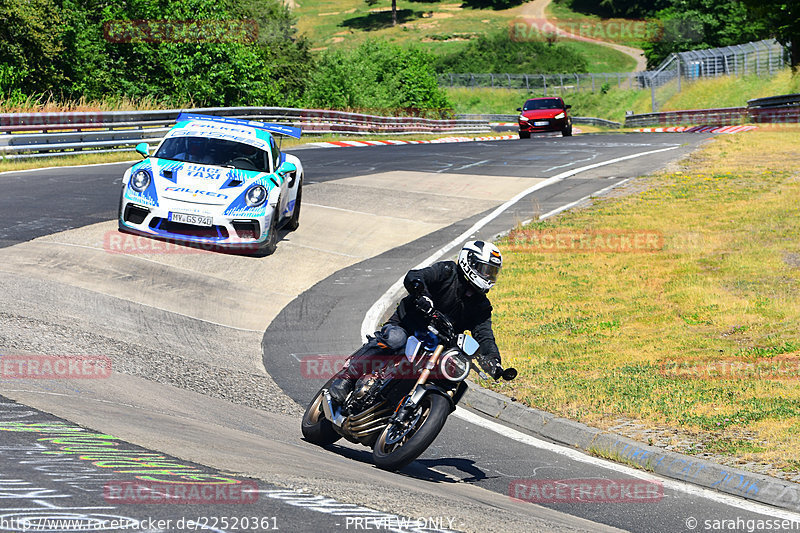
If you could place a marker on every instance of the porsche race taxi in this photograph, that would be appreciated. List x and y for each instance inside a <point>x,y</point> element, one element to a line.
<point>215,181</point>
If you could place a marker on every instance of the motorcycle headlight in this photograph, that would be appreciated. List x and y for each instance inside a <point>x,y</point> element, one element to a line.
<point>140,180</point>
<point>454,365</point>
<point>524,118</point>
<point>560,115</point>
<point>256,196</point>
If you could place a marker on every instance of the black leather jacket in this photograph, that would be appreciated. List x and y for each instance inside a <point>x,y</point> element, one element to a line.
<point>466,307</point>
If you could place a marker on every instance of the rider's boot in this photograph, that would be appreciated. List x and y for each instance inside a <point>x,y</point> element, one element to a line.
<point>341,388</point>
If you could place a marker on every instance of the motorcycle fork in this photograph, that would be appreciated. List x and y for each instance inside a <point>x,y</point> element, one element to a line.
<point>417,391</point>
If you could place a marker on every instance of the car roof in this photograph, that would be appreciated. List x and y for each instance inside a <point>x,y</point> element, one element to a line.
<point>252,132</point>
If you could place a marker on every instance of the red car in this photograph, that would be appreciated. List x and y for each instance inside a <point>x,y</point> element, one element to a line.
<point>544,114</point>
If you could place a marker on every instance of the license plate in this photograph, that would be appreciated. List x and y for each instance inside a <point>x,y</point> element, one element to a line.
<point>542,123</point>
<point>196,220</point>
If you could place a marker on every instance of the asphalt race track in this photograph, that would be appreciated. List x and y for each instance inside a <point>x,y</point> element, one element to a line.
<point>206,348</point>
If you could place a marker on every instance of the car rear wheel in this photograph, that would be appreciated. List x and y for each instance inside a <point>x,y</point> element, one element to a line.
<point>524,135</point>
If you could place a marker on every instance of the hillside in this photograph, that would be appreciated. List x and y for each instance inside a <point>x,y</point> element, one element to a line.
<point>439,27</point>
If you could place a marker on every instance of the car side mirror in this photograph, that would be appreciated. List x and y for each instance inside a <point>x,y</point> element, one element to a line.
<point>287,168</point>
<point>567,106</point>
<point>519,109</point>
<point>143,149</point>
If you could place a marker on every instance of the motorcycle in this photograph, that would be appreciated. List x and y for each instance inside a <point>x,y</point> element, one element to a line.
<point>400,404</point>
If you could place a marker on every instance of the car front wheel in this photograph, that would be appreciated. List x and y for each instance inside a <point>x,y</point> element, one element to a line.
<point>524,135</point>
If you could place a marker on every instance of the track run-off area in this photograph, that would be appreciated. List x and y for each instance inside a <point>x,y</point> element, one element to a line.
<point>206,380</point>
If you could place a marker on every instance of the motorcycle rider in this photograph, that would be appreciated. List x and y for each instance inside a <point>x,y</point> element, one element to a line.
<point>458,290</point>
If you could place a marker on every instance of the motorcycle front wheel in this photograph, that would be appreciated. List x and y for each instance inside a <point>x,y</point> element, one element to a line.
<point>316,428</point>
<point>398,445</point>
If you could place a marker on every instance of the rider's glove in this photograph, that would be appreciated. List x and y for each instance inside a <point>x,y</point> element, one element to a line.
<point>425,305</point>
<point>491,366</point>
<point>417,288</point>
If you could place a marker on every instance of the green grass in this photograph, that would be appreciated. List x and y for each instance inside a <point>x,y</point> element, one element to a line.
<point>620,31</point>
<point>592,333</point>
<point>348,23</point>
<point>731,91</point>
<point>600,58</point>
<point>708,93</point>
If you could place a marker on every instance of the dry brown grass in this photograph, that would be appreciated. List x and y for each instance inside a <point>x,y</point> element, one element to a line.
<point>591,333</point>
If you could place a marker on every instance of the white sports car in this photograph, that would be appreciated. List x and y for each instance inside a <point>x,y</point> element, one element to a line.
<point>216,181</point>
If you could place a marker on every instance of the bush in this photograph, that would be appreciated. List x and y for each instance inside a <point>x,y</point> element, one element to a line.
<point>499,53</point>
<point>62,47</point>
<point>377,75</point>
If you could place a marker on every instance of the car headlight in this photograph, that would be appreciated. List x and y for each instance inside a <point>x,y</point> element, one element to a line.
<point>140,180</point>
<point>256,196</point>
<point>560,115</point>
<point>523,117</point>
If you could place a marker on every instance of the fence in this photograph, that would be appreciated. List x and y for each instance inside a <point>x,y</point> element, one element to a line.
<point>544,84</point>
<point>109,131</point>
<point>761,58</point>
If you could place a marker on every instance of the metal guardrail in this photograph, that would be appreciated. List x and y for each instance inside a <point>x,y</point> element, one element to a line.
<point>105,131</point>
<point>593,121</point>
<point>711,117</point>
<point>775,101</point>
<point>771,110</point>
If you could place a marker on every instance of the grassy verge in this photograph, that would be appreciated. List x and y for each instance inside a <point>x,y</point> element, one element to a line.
<point>601,337</point>
<point>130,155</point>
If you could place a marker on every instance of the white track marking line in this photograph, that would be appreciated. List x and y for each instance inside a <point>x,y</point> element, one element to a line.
<point>373,315</point>
<point>575,455</point>
<point>67,166</point>
<point>370,322</point>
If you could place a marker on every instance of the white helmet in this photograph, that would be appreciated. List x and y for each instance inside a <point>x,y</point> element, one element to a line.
<point>480,262</point>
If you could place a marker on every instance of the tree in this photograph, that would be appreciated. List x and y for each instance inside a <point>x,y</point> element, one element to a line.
<point>782,18</point>
<point>394,9</point>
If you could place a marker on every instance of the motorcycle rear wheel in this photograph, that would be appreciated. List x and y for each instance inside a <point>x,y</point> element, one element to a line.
<point>316,428</point>
<point>395,447</point>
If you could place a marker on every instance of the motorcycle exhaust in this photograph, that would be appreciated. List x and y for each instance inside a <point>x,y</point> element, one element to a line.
<point>327,408</point>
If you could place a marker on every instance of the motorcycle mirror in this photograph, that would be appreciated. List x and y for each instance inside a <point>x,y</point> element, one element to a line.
<point>509,374</point>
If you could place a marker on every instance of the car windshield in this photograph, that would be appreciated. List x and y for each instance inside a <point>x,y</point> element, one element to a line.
<point>210,151</point>
<point>546,103</point>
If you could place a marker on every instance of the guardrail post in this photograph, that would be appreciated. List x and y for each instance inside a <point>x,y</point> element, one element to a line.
<point>527,85</point>
<point>593,89</point>
<point>544,84</point>
<point>509,81</point>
